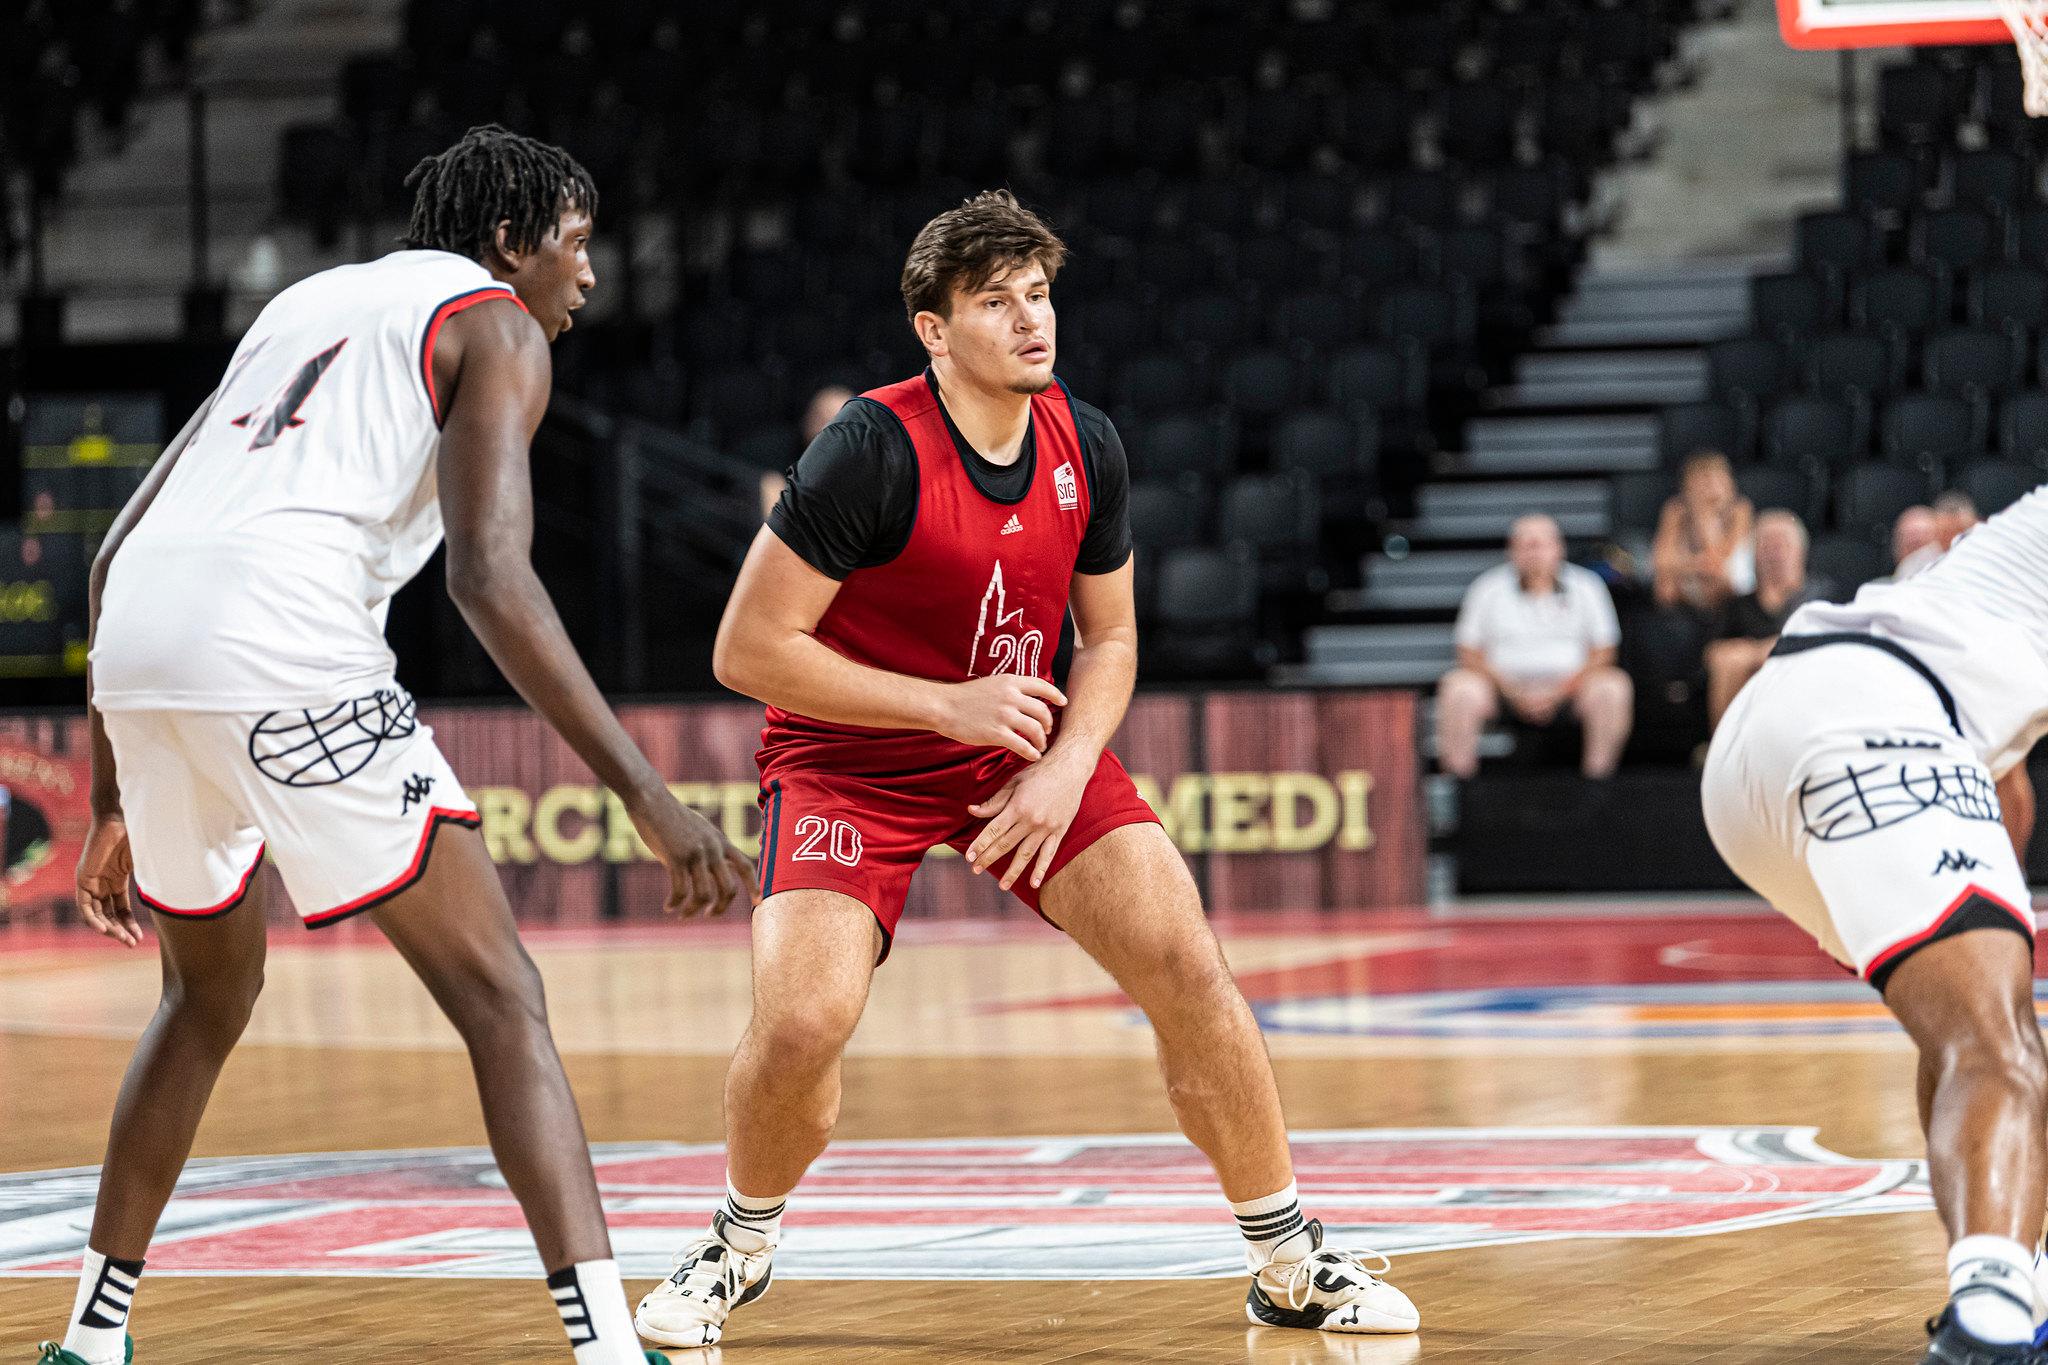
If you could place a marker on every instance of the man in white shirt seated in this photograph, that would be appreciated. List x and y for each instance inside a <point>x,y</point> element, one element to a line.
<point>1540,635</point>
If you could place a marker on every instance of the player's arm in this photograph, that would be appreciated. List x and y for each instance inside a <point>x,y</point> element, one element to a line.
<point>104,867</point>
<point>494,360</point>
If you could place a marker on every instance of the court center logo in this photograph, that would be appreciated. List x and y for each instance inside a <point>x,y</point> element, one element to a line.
<point>1118,1207</point>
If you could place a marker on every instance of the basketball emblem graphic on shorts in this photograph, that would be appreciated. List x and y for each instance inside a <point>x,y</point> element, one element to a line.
<point>318,748</point>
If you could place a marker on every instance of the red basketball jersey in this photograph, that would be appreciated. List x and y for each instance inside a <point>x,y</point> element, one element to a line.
<point>981,588</point>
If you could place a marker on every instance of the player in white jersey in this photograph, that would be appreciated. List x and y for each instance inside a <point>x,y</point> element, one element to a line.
<point>243,704</point>
<point>1856,783</point>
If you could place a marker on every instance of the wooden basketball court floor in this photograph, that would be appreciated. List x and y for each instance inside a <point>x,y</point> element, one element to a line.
<point>1597,1116</point>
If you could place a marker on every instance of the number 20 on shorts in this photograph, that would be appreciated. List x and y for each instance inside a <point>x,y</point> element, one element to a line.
<point>819,839</point>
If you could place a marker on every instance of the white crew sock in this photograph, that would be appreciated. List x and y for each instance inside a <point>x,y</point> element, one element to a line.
<point>1991,1288</point>
<point>592,1303</point>
<point>752,1225</point>
<point>2040,1285</point>
<point>98,1330</point>
<point>1273,1228</point>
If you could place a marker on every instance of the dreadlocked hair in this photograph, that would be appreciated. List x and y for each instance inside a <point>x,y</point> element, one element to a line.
<point>493,176</point>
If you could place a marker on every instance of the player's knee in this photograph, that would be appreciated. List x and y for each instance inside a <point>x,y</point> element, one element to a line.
<point>2006,1051</point>
<point>1464,692</point>
<point>216,1009</point>
<point>492,997</point>
<point>805,1040</point>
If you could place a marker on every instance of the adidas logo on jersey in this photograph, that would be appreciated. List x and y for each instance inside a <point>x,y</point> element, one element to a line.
<point>1012,526</point>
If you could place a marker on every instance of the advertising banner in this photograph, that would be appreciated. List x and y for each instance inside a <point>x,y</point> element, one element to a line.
<point>1280,801</point>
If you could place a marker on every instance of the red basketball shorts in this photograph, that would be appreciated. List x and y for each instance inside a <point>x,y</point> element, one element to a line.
<point>864,837</point>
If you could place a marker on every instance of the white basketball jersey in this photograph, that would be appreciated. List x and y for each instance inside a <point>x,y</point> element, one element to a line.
<point>1978,618</point>
<point>261,575</point>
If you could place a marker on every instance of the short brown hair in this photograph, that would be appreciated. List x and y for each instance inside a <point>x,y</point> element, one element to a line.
<point>966,247</point>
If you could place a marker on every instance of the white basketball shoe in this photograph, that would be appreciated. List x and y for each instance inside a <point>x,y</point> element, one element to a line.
<point>712,1277</point>
<point>1329,1291</point>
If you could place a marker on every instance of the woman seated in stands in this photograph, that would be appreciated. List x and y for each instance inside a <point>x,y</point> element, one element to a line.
<point>1755,618</point>
<point>1703,555</point>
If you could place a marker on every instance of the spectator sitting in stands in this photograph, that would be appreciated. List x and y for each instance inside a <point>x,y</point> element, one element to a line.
<point>1952,514</point>
<point>1755,618</point>
<point>1703,554</point>
<point>824,406</point>
<point>1911,533</point>
<point>1540,635</point>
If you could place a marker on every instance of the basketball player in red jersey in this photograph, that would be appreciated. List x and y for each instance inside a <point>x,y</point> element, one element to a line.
<point>898,616</point>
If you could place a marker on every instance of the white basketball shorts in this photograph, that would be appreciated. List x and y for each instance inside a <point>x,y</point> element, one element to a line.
<point>345,800</point>
<point>1840,788</point>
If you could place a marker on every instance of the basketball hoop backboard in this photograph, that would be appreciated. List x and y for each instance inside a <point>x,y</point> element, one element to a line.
<point>1890,23</point>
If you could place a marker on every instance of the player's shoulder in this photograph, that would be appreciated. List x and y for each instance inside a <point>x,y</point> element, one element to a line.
<point>1099,438</point>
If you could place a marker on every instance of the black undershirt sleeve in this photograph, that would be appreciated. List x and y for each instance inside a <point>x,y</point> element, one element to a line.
<point>852,494</point>
<point>1107,542</point>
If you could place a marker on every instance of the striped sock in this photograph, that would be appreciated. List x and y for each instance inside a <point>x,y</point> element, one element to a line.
<point>99,1315</point>
<point>1273,1226</point>
<point>592,1303</point>
<point>758,1222</point>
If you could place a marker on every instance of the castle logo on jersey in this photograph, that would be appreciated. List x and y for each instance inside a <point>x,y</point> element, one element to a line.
<point>1117,1207</point>
<point>1063,485</point>
<point>1001,644</point>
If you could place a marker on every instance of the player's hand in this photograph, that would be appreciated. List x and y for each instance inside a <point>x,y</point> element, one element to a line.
<point>103,872</point>
<point>1031,814</point>
<point>1007,711</point>
<point>705,872</point>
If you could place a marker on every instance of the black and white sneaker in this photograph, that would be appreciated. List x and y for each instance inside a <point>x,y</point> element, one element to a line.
<point>1951,1345</point>
<point>1330,1291</point>
<point>711,1278</point>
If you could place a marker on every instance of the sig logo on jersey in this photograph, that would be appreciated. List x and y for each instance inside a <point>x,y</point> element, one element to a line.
<point>1063,484</point>
<point>1001,643</point>
<point>1142,1206</point>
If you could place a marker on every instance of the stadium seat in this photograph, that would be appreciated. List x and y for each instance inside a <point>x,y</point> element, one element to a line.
<point>1159,382</point>
<point>1686,429</point>
<point>1206,612</point>
<point>1900,299</point>
<point>1372,376</point>
<point>1789,306</point>
<point>1870,496</point>
<point>1955,240</point>
<point>2023,430</point>
<point>1279,518</point>
<point>1767,486</point>
<point>1995,485</point>
<point>2011,297</point>
<point>1993,178</point>
<point>1183,443</point>
<point>1339,451</point>
<point>1833,243</point>
<point>1883,183</point>
<point>1808,431</point>
<point>1927,431</point>
<point>1916,105</point>
<point>1748,370</point>
<point>1318,318</point>
<point>1837,565</point>
<point>1261,382</point>
<point>1973,363</point>
<point>1167,513</point>
<point>1635,502</point>
<point>1853,365</point>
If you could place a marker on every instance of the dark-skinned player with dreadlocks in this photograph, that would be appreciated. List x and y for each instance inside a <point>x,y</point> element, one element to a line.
<point>243,705</point>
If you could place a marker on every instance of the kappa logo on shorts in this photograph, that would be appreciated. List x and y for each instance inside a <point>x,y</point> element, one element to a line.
<point>1957,861</point>
<point>1140,1206</point>
<point>416,788</point>
<point>320,748</point>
